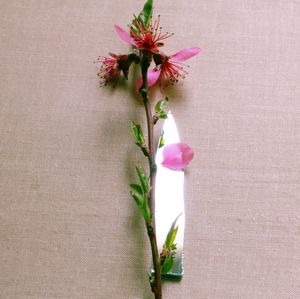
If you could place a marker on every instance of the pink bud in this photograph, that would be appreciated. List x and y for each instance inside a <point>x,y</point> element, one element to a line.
<point>176,156</point>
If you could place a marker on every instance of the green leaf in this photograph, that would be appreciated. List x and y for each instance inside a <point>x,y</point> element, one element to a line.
<point>138,134</point>
<point>139,138</point>
<point>137,196</point>
<point>146,211</point>
<point>143,19</point>
<point>168,263</point>
<point>146,13</point>
<point>141,200</point>
<point>136,189</point>
<point>172,234</point>
<point>161,142</point>
<point>144,180</point>
<point>169,248</point>
<point>160,108</point>
<point>171,237</point>
<point>161,105</point>
<point>163,115</point>
<point>140,193</point>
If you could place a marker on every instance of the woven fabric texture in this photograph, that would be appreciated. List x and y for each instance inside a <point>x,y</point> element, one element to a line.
<point>68,228</point>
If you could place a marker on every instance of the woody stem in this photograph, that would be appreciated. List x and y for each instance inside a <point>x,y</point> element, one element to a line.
<point>150,225</point>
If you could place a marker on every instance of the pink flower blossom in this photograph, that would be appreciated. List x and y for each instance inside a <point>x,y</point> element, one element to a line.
<point>171,67</point>
<point>143,38</point>
<point>176,156</point>
<point>112,66</point>
<point>109,69</point>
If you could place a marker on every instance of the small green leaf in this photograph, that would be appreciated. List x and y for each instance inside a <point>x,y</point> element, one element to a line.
<point>139,138</point>
<point>169,248</point>
<point>140,193</point>
<point>161,142</point>
<point>133,26</point>
<point>168,263</point>
<point>146,211</point>
<point>136,189</point>
<point>146,13</point>
<point>138,199</point>
<point>171,237</point>
<point>161,105</point>
<point>143,19</point>
<point>172,234</point>
<point>160,108</point>
<point>141,200</point>
<point>144,180</point>
<point>138,134</point>
<point>163,115</point>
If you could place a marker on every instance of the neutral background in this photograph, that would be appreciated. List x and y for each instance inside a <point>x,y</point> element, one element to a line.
<point>68,228</point>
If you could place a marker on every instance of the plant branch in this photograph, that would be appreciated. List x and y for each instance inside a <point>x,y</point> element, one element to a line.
<point>156,284</point>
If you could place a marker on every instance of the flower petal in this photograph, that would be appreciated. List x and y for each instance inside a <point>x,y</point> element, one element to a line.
<point>152,77</point>
<point>124,35</point>
<point>176,156</point>
<point>185,54</point>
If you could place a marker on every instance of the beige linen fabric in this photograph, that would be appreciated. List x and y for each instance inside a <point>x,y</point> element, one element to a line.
<point>68,228</point>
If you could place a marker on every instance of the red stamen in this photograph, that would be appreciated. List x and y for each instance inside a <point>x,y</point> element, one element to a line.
<point>148,38</point>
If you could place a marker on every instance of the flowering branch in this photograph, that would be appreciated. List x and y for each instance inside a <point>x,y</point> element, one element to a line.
<point>146,38</point>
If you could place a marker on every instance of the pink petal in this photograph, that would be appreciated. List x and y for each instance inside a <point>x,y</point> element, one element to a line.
<point>176,156</point>
<point>152,77</point>
<point>185,54</point>
<point>124,35</point>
